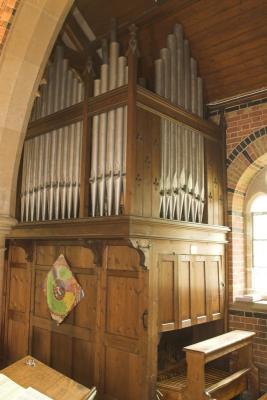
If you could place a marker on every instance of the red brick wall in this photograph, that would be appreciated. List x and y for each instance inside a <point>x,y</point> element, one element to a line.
<point>7,12</point>
<point>257,322</point>
<point>246,156</point>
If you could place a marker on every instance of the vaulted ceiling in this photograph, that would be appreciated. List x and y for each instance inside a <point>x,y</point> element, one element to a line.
<point>228,38</point>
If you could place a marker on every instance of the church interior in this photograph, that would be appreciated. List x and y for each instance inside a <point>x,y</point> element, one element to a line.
<point>133,199</point>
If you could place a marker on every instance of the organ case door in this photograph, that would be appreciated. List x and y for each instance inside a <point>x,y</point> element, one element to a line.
<point>191,290</point>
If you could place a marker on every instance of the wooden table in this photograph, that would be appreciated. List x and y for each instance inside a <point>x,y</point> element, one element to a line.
<point>46,380</point>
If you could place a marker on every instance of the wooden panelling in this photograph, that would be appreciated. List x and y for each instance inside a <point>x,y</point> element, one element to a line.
<point>83,362</point>
<point>17,339</point>
<point>40,303</point>
<point>18,254</point>
<point>61,353</point>
<point>123,258</point>
<point>184,292</point>
<point>46,255</point>
<point>41,345</point>
<point>79,257</point>
<point>167,291</point>
<point>127,367</point>
<point>198,290</point>
<point>122,296</point>
<point>146,193</point>
<point>19,280</point>
<point>85,311</point>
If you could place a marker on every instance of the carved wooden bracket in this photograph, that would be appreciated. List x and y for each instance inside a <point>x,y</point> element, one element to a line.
<point>97,247</point>
<point>143,247</point>
<point>27,246</point>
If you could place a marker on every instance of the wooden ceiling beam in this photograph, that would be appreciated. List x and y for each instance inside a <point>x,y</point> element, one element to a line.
<point>83,44</point>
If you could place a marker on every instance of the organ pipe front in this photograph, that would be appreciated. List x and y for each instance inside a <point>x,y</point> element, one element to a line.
<point>53,159</point>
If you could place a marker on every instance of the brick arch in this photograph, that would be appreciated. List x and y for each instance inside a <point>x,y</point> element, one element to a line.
<point>23,59</point>
<point>244,162</point>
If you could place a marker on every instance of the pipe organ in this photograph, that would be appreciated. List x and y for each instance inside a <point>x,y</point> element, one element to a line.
<point>127,183</point>
<point>52,161</point>
<point>182,149</point>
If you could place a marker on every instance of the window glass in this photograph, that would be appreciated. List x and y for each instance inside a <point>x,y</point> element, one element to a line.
<point>259,243</point>
<point>259,204</point>
<point>260,226</point>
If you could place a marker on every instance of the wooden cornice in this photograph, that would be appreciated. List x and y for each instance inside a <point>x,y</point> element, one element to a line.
<point>56,120</point>
<point>156,104</point>
<point>105,102</point>
<point>122,227</point>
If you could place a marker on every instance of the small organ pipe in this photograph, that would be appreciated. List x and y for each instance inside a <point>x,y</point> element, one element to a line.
<point>172,46</point>
<point>200,97</point>
<point>187,76</point>
<point>94,158</point>
<point>194,96</point>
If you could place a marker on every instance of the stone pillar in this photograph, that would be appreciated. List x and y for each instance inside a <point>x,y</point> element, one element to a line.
<point>6,223</point>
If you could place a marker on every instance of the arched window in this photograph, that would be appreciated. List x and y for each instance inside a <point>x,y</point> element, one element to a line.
<point>258,212</point>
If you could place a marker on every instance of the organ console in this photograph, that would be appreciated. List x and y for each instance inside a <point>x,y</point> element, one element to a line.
<point>127,182</point>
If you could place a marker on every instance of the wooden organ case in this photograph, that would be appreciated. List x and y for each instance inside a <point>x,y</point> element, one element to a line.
<point>128,185</point>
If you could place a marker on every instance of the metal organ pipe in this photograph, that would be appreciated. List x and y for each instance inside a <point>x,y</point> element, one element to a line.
<point>51,161</point>
<point>109,137</point>
<point>182,149</point>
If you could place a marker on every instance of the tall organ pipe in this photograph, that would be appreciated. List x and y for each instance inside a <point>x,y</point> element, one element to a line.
<point>94,157</point>
<point>102,144</point>
<point>113,79</point>
<point>118,148</point>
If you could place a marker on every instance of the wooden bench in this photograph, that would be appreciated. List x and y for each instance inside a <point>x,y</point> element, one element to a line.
<point>263,397</point>
<point>244,377</point>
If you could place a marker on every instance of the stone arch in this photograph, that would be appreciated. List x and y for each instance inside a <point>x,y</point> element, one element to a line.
<point>29,43</point>
<point>244,162</point>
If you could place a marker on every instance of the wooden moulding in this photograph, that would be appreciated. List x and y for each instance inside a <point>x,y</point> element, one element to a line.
<point>121,227</point>
<point>145,99</point>
<point>158,105</point>
<point>96,105</point>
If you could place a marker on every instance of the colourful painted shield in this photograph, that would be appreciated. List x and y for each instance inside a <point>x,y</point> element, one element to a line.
<point>63,292</point>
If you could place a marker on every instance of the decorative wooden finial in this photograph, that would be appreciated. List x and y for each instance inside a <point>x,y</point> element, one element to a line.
<point>88,69</point>
<point>133,44</point>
